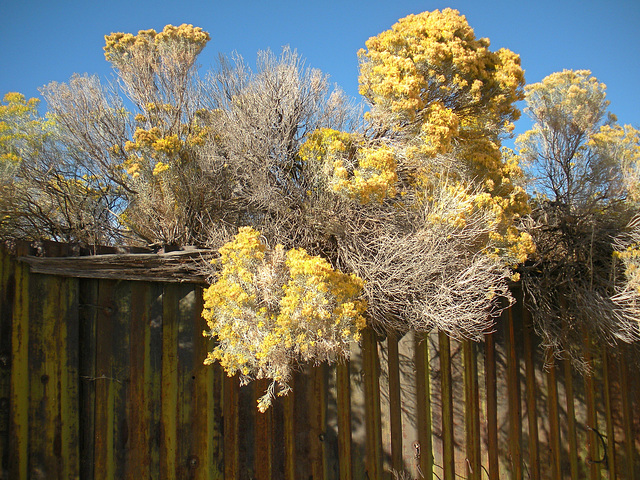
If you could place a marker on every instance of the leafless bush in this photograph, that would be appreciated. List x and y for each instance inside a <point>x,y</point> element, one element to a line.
<point>261,119</point>
<point>573,289</point>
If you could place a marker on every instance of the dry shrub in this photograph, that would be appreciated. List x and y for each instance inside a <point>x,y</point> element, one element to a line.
<point>424,271</point>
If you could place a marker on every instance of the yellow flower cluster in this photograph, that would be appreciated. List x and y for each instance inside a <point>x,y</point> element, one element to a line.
<point>621,147</point>
<point>119,45</point>
<point>631,260</point>
<point>152,146</point>
<point>270,311</point>
<point>18,121</point>
<point>361,173</point>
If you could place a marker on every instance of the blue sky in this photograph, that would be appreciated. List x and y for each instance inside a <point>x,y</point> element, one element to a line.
<point>43,41</point>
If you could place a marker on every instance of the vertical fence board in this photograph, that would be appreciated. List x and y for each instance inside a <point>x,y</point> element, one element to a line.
<point>554,421</point>
<point>120,373</point>
<point>317,421</point>
<point>592,417</point>
<point>289,434</point>
<point>155,376</point>
<point>187,463</point>
<point>20,375</point>
<point>424,448</point>
<point>611,450</point>
<point>513,390</point>
<point>247,412</point>
<point>69,337</point>
<point>472,416</point>
<point>343,399</point>
<point>104,457</point>
<point>571,419</point>
<point>207,431</point>
<point>7,293</point>
<point>169,391</point>
<point>492,406</point>
<point>627,418</point>
<point>139,393</point>
<point>634,390</point>
<point>263,436</point>
<point>395,405</point>
<point>531,395</point>
<point>446,387</point>
<point>88,312</point>
<point>357,405</point>
<point>45,359</point>
<point>371,368</point>
<point>231,395</point>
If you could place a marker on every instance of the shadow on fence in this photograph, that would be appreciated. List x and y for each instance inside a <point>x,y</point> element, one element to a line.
<point>103,378</point>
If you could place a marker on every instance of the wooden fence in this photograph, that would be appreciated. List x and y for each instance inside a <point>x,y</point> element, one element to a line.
<point>103,379</point>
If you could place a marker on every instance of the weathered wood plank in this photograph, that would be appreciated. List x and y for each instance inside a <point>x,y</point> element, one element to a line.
<point>104,455</point>
<point>395,405</point>
<point>290,433</point>
<point>513,390</point>
<point>447,407</point>
<point>7,294</point>
<point>343,393</point>
<point>592,416</point>
<point>182,266</point>
<point>231,427</point>
<point>169,392</point>
<point>571,419</point>
<point>207,404</point>
<point>472,415</point>
<point>88,312</point>
<point>424,448</point>
<point>247,411</point>
<point>155,377</point>
<point>187,463</point>
<point>68,343</point>
<point>317,398</point>
<point>121,371</point>
<point>531,394</point>
<point>612,465</point>
<point>263,436</point>
<point>20,373</point>
<point>492,406</point>
<point>554,420</point>
<point>139,394</point>
<point>371,371</point>
<point>44,395</point>
<point>627,417</point>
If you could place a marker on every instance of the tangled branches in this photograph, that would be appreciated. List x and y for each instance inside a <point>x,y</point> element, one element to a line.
<point>424,271</point>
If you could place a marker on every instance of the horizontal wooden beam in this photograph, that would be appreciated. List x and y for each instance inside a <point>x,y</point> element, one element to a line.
<point>181,266</point>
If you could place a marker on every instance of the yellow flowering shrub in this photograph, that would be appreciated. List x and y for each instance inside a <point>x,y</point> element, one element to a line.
<point>430,74</point>
<point>444,100</point>
<point>270,311</point>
